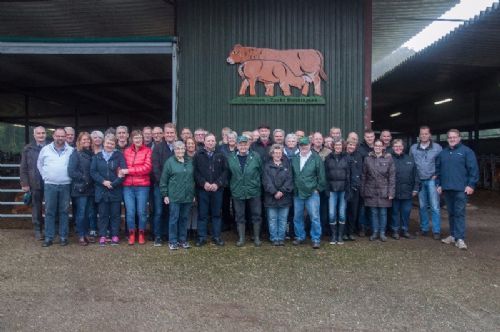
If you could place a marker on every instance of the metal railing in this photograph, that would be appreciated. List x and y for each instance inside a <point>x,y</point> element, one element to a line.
<point>14,203</point>
<point>10,190</point>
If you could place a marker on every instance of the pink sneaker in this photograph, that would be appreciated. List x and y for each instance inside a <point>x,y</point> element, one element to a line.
<point>115,241</point>
<point>102,241</point>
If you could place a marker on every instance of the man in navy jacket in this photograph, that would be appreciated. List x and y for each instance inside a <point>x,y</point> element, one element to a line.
<point>457,174</point>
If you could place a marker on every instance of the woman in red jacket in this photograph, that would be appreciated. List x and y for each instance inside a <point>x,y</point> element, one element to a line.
<point>136,184</point>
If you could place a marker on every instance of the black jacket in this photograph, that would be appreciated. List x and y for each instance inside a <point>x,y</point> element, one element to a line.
<point>28,172</point>
<point>356,167</point>
<point>337,172</point>
<point>364,149</point>
<point>277,178</point>
<point>79,172</point>
<point>161,153</point>
<point>101,170</point>
<point>261,149</point>
<point>407,178</point>
<point>211,170</point>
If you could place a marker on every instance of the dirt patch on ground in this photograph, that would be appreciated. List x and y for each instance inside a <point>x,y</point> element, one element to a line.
<point>399,285</point>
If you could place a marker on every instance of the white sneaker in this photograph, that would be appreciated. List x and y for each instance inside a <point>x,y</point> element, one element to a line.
<point>461,244</point>
<point>449,240</point>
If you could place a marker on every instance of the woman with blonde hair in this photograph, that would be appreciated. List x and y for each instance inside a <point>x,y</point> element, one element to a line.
<point>82,186</point>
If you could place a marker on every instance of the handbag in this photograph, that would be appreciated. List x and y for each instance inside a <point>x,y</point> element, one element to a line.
<point>80,187</point>
<point>27,198</point>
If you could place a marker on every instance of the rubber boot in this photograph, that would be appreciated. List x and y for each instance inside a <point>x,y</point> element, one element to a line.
<point>341,234</point>
<point>333,237</point>
<point>131,237</point>
<point>142,239</point>
<point>256,234</point>
<point>241,235</point>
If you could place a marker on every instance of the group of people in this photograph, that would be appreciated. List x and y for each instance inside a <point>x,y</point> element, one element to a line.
<point>328,185</point>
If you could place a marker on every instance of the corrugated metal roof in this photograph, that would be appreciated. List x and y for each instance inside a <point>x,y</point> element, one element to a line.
<point>395,22</point>
<point>86,18</point>
<point>465,60</point>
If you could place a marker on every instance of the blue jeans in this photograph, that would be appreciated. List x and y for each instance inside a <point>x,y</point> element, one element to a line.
<point>337,201</point>
<point>177,224</point>
<point>136,199</point>
<point>456,202</point>
<point>109,217</point>
<point>92,214</point>
<point>209,201</point>
<point>364,214</point>
<point>428,197</point>
<point>159,226</point>
<point>57,197</point>
<point>277,217</point>
<point>312,206</point>
<point>401,209</point>
<point>379,219</point>
<point>83,206</point>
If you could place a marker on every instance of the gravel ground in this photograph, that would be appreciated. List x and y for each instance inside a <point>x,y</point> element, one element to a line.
<point>416,285</point>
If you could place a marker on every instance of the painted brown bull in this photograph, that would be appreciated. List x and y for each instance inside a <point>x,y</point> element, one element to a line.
<point>270,73</point>
<point>308,62</point>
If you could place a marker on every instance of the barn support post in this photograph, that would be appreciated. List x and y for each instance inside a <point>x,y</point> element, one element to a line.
<point>477,108</point>
<point>26,119</point>
<point>77,117</point>
<point>174,83</point>
<point>367,68</point>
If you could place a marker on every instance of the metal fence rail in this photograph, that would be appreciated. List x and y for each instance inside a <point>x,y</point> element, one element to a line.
<point>11,190</point>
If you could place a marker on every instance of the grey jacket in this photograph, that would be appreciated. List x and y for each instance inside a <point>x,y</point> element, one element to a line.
<point>29,174</point>
<point>425,159</point>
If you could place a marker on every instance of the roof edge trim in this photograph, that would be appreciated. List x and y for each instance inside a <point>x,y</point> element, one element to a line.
<point>131,39</point>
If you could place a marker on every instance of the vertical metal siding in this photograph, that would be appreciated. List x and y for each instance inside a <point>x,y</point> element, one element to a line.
<point>207,31</point>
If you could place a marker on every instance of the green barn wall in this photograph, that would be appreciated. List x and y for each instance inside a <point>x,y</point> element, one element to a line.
<point>207,31</point>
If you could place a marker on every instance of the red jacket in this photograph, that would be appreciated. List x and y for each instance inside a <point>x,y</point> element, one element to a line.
<point>139,166</point>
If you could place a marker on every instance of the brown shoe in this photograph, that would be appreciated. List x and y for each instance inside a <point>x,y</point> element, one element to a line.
<point>83,241</point>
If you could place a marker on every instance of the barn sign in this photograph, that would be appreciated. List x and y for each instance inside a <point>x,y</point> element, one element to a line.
<point>288,69</point>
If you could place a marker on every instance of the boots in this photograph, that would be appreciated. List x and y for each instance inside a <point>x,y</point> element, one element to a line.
<point>333,237</point>
<point>241,235</point>
<point>341,234</point>
<point>256,234</point>
<point>142,240</point>
<point>131,237</point>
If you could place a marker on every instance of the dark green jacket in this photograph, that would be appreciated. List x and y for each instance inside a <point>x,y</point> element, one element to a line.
<point>311,178</point>
<point>177,181</point>
<point>246,184</point>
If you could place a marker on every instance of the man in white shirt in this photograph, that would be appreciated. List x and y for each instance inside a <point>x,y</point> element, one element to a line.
<point>53,167</point>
